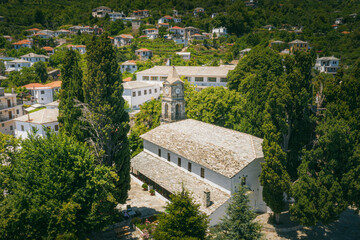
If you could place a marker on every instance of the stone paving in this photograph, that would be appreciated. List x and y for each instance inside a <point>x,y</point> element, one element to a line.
<point>142,200</point>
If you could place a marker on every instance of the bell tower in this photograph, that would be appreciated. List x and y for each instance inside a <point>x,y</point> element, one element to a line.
<point>173,102</point>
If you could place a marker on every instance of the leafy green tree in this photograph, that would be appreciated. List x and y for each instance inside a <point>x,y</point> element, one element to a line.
<point>39,17</point>
<point>40,70</point>
<point>239,220</point>
<point>71,91</point>
<point>148,118</point>
<point>116,27</point>
<point>108,121</point>
<point>20,78</point>
<point>182,219</point>
<point>328,178</point>
<point>54,187</point>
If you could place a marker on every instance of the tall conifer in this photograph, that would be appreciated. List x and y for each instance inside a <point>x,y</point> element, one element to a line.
<point>106,115</point>
<point>71,90</point>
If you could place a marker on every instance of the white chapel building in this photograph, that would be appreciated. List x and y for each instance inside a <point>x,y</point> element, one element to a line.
<point>208,160</point>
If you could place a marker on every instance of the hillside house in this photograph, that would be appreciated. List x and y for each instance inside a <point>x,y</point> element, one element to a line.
<point>49,50</point>
<point>80,48</point>
<point>143,53</point>
<point>244,52</point>
<point>328,65</point>
<point>39,121</point>
<point>198,11</point>
<point>151,33</point>
<point>33,58</point>
<point>298,45</point>
<point>65,32</point>
<point>33,30</point>
<point>10,108</point>
<point>177,31</point>
<point>269,27</point>
<point>9,38</point>
<point>123,40</point>
<point>43,93</point>
<point>16,65</point>
<point>169,19</point>
<point>189,31</point>
<point>48,32</point>
<point>198,36</point>
<point>101,12</point>
<point>128,66</point>
<point>137,93</point>
<point>141,14</point>
<point>221,31</point>
<point>339,21</point>
<point>23,43</point>
<point>184,55</point>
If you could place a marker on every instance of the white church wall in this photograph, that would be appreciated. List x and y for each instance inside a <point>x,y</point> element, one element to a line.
<point>252,174</point>
<point>218,214</point>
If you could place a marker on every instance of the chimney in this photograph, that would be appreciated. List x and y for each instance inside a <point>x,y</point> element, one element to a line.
<point>168,62</point>
<point>207,201</point>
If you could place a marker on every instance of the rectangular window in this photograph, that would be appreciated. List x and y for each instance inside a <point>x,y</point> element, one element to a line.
<point>134,94</point>
<point>139,93</point>
<point>17,111</point>
<point>56,128</point>
<point>3,125</point>
<point>211,79</point>
<point>169,157</point>
<point>11,128</point>
<point>155,90</point>
<point>154,78</point>
<point>145,92</point>
<point>42,92</point>
<point>179,162</point>
<point>189,166</point>
<point>163,78</point>
<point>202,172</point>
<point>199,79</point>
<point>145,77</point>
<point>22,127</point>
<point>223,79</point>
<point>149,91</point>
<point>159,152</point>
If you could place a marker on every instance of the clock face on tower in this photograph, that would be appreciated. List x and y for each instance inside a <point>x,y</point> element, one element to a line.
<point>177,91</point>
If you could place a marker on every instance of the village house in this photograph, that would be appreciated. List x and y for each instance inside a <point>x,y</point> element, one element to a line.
<point>182,153</point>
<point>43,93</point>
<point>144,54</point>
<point>244,52</point>
<point>198,11</point>
<point>177,31</point>
<point>151,33</point>
<point>128,66</point>
<point>189,31</point>
<point>85,29</point>
<point>198,36</point>
<point>80,48</point>
<point>141,13</point>
<point>339,21</point>
<point>269,27</point>
<point>298,45</point>
<point>101,12</point>
<point>116,16</point>
<point>49,50</point>
<point>221,31</point>
<point>276,43</point>
<point>33,30</point>
<point>16,65</point>
<point>197,75</point>
<point>40,35</point>
<point>184,55</point>
<point>328,65</point>
<point>169,19</point>
<point>65,32</point>
<point>23,43</point>
<point>9,38</point>
<point>10,108</point>
<point>137,93</point>
<point>33,58</point>
<point>165,25</point>
<point>48,32</point>
<point>123,40</point>
<point>38,121</point>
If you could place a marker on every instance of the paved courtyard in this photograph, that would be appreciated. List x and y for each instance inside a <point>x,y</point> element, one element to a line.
<point>143,201</point>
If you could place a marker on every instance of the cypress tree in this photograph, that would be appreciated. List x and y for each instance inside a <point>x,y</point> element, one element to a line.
<point>108,121</point>
<point>71,90</point>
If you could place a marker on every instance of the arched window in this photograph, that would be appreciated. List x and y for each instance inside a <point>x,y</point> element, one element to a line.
<point>166,110</point>
<point>177,111</point>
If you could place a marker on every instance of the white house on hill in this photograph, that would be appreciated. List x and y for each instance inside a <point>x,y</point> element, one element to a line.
<point>327,64</point>
<point>37,120</point>
<point>33,58</point>
<point>9,109</point>
<point>209,161</point>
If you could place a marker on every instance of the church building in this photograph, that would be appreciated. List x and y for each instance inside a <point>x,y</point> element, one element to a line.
<point>208,160</point>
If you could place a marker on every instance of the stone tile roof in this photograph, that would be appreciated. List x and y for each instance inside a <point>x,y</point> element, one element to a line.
<point>42,116</point>
<point>296,41</point>
<point>34,55</point>
<point>190,70</point>
<point>220,149</point>
<point>172,177</point>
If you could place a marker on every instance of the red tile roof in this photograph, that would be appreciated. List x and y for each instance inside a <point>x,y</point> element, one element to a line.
<point>33,29</point>
<point>55,84</point>
<point>345,32</point>
<point>48,48</point>
<point>128,79</point>
<point>22,42</point>
<point>143,49</point>
<point>176,27</point>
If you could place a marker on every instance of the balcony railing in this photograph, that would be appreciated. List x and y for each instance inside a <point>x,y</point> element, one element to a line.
<point>2,106</point>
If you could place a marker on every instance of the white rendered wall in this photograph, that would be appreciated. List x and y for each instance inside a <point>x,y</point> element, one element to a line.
<point>19,133</point>
<point>136,101</point>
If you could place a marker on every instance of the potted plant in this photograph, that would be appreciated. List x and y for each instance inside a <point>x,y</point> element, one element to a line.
<point>145,187</point>
<point>152,192</point>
